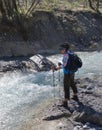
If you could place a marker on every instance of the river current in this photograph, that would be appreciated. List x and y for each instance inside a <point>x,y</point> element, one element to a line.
<point>20,93</point>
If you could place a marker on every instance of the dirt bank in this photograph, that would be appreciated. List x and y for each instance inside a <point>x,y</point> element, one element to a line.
<point>46,30</point>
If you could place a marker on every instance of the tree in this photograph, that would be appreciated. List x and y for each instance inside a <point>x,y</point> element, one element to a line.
<point>94,5</point>
<point>16,11</point>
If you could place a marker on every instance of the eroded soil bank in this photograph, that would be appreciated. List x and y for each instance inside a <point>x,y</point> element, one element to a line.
<point>47,30</point>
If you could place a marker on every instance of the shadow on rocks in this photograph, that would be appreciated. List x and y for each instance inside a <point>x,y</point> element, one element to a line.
<point>85,113</point>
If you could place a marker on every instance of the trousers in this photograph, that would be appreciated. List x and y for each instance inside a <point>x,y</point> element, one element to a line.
<point>69,82</point>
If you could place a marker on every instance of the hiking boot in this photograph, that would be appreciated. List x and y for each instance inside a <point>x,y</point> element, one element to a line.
<point>65,104</point>
<point>75,98</point>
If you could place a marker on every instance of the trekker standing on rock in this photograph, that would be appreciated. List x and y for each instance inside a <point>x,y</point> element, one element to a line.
<point>69,70</point>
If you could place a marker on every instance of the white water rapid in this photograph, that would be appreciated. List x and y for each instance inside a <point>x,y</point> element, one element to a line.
<point>21,93</point>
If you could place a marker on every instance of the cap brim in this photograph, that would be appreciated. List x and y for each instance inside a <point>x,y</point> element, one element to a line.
<point>61,48</point>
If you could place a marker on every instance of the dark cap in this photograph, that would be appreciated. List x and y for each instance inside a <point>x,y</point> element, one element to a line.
<point>65,46</point>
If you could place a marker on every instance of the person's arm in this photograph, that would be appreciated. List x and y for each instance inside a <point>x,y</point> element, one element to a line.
<point>55,68</point>
<point>60,66</point>
<point>65,60</point>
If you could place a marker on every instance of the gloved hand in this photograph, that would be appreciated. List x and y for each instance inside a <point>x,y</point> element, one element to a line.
<point>59,63</point>
<point>54,68</point>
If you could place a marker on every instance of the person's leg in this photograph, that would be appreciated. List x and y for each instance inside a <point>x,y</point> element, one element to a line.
<point>66,88</point>
<point>74,88</point>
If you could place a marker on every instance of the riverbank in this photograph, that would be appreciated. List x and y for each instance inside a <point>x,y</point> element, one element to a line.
<point>48,29</point>
<point>83,115</point>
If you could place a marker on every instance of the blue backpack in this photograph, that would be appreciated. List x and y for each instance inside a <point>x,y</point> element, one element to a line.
<point>74,62</point>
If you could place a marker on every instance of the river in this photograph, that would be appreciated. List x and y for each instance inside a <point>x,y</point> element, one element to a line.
<point>20,93</point>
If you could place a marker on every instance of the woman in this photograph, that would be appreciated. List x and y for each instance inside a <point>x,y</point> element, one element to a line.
<point>68,75</point>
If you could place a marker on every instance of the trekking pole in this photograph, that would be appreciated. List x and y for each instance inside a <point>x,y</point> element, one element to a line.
<point>59,84</point>
<point>59,64</point>
<point>54,83</point>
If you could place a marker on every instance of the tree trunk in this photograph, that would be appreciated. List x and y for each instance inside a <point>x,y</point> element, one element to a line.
<point>96,6</point>
<point>3,12</point>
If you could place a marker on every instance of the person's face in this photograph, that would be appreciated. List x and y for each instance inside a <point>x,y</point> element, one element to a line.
<point>63,51</point>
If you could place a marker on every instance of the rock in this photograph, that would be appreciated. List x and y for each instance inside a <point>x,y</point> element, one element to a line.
<point>13,67</point>
<point>88,115</point>
<point>61,125</point>
<point>57,115</point>
<point>35,63</point>
<point>77,128</point>
<point>56,112</point>
<point>86,127</point>
<point>90,87</point>
<point>87,91</point>
<point>42,62</point>
<point>94,46</point>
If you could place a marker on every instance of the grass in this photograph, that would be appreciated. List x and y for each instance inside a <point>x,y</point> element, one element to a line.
<point>51,5</point>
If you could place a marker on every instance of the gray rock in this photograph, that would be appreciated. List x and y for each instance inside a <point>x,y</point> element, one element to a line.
<point>90,87</point>
<point>35,63</point>
<point>77,128</point>
<point>88,115</point>
<point>56,112</point>
<point>42,62</point>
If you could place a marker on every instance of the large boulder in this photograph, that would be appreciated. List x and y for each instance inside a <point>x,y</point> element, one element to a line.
<point>35,63</point>
<point>41,62</point>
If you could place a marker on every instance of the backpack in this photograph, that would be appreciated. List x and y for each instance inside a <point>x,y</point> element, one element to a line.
<point>74,62</point>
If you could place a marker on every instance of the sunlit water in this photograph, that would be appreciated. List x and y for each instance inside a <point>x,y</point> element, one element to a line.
<point>20,93</point>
